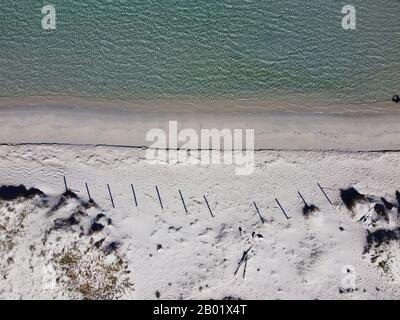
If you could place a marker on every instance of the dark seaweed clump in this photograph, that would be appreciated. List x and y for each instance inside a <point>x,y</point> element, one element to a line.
<point>380,236</point>
<point>350,197</point>
<point>15,192</point>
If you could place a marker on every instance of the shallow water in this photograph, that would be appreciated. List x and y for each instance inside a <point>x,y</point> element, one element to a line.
<point>207,49</point>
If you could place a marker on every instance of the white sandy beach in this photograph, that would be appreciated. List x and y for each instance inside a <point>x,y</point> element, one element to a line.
<point>147,252</point>
<point>194,255</point>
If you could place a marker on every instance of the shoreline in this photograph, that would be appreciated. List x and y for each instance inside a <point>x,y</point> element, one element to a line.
<point>63,120</point>
<point>188,105</point>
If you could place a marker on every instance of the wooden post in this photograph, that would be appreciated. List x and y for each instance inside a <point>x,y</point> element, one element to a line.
<point>209,209</point>
<point>243,259</point>
<point>183,201</point>
<point>111,197</point>
<point>87,189</point>
<point>326,196</point>
<point>262,220</point>
<point>65,184</point>
<point>305,203</point>
<point>245,266</point>
<point>159,198</point>
<point>281,208</point>
<point>134,194</point>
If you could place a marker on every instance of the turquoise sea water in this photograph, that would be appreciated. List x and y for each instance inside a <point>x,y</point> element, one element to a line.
<point>212,49</point>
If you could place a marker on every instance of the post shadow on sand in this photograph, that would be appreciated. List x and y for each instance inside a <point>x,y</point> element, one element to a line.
<point>183,201</point>
<point>111,197</point>
<point>159,198</point>
<point>258,211</point>
<point>88,193</point>
<point>134,195</point>
<point>283,210</point>
<point>324,193</point>
<point>245,257</point>
<point>349,197</point>
<point>65,184</point>
<point>208,206</point>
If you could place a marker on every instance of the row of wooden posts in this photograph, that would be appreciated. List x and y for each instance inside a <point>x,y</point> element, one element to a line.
<point>205,199</point>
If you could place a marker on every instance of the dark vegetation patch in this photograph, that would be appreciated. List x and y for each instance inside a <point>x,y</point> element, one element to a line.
<point>79,213</point>
<point>309,209</point>
<point>66,196</point>
<point>96,227</point>
<point>64,199</point>
<point>61,223</point>
<point>88,273</point>
<point>384,265</point>
<point>351,197</point>
<point>99,243</point>
<point>388,205</point>
<point>70,194</point>
<point>89,204</point>
<point>15,192</point>
<point>99,216</point>
<point>381,211</point>
<point>381,236</point>
<point>111,247</point>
